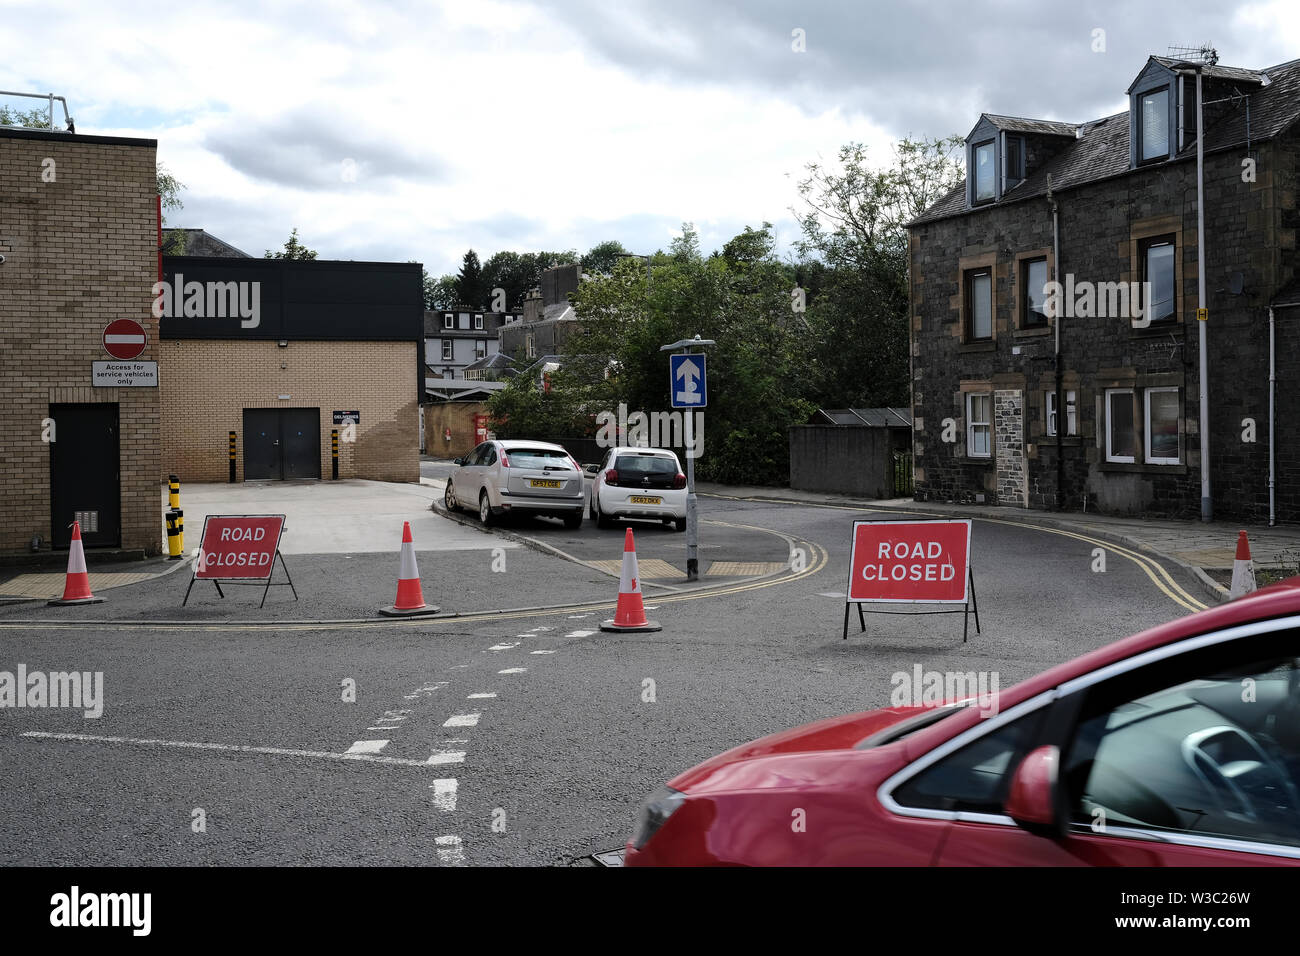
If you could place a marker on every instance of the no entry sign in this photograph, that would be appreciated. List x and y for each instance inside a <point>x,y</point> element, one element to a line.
<point>910,562</point>
<point>124,339</point>
<point>238,547</point>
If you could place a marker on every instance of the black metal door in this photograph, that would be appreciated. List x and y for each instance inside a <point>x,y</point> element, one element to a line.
<point>300,442</point>
<point>84,475</point>
<point>262,443</point>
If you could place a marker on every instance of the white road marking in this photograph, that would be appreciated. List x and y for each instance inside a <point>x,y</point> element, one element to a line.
<point>444,794</point>
<point>578,617</point>
<point>445,756</point>
<point>384,728</point>
<point>513,670</point>
<point>449,851</point>
<point>463,720</point>
<point>831,594</point>
<point>235,748</point>
<point>503,647</point>
<point>367,747</point>
<point>543,652</point>
<point>480,696</point>
<point>580,634</point>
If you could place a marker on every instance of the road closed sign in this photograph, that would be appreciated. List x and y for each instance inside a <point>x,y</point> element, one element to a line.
<point>238,547</point>
<point>910,562</point>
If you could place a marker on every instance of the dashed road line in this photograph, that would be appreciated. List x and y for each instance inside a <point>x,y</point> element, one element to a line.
<point>367,747</point>
<point>444,794</point>
<point>480,696</point>
<point>580,634</point>
<point>462,720</point>
<point>513,670</point>
<point>441,757</point>
<point>236,748</point>
<point>449,851</point>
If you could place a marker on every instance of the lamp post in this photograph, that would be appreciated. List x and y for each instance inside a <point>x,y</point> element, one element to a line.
<point>684,346</point>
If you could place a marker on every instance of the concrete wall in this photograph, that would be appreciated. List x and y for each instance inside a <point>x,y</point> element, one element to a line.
<point>81,247</point>
<point>207,383</point>
<point>842,458</point>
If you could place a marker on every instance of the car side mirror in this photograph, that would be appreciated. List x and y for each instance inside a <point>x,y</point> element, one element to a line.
<point>591,469</point>
<point>1033,801</point>
<point>458,461</point>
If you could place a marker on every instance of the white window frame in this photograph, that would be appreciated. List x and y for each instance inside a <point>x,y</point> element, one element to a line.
<point>448,352</point>
<point>1146,421</point>
<point>448,320</point>
<point>991,146</point>
<point>480,348</point>
<point>1118,459</point>
<point>530,346</point>
<point>971,424</point>
<point>970,277</point>
<point>478,323</point>
<point>1162,119</point>
<point>1071,413</point>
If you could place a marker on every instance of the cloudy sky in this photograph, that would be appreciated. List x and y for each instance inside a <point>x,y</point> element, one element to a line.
<point>415,130</point>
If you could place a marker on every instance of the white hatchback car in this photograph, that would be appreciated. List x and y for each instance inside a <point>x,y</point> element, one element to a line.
<point>639,483</point>
<point>509,477</point>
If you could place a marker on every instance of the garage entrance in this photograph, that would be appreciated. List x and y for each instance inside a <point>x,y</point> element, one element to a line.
<point>281,443</point>
<point>84,481</point>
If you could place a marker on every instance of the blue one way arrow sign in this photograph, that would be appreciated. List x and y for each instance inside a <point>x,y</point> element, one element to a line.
<point>687,383</point>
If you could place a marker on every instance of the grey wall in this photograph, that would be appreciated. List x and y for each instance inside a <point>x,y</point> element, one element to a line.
<point>848,459</point>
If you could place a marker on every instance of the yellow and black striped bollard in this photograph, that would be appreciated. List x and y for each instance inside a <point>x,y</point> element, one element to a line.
<point>175,534</point>
<point>173,491</point>
<point>334,452</point>
<point>232,458</point>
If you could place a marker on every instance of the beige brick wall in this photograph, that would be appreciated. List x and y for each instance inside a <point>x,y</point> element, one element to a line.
<point>81,251</point>
<point>207,383</point>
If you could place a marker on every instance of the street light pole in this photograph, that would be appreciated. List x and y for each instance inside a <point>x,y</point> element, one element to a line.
<point>692,521</point>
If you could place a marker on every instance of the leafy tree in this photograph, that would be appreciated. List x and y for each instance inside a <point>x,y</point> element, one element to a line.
<point>854,244</point>
<point>603,256</point>
<point>293,249</point>
<point>439,293</point>
<point>32,119</point>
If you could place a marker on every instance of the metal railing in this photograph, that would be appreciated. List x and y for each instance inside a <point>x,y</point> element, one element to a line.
<point>902,474</point>
<point>50,98</point>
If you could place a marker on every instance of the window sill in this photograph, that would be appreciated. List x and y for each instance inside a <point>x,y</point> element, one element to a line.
<point>977,459</point>
<point>1032,331</point>
<point>1141,468</point>
<point>980,345</point>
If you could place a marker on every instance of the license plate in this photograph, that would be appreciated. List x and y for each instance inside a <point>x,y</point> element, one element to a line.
<point>644,500</point>
<point>545,483</point>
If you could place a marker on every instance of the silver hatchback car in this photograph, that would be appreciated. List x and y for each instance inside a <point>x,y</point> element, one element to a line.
<point>509,477</point>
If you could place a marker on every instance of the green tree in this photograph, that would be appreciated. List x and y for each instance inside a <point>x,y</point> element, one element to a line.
<point>603,256</point>
<point>293,249</point>
<point>31,119</point>
<point>854,245</point>
<point>471,291</point>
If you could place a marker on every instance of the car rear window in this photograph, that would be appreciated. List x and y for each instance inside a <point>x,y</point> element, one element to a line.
<point>646,464</point>
<point>536,457</point>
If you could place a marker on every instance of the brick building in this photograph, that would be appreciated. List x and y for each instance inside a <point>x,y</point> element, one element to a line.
<point>78,233</point>
<point>1092,206</point>
<point>290,349</point>
<point>455,339</point>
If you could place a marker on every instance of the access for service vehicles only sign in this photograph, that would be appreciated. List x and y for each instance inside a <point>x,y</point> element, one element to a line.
<point>238,546</point>
<point>910,562</point>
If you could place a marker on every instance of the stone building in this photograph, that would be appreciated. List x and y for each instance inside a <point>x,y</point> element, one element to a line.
<point>1108,209</point>
<point>547,320</point>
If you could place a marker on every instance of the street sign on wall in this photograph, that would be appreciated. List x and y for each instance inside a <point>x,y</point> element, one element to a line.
<point>124,374</point>
<point>124,339</point>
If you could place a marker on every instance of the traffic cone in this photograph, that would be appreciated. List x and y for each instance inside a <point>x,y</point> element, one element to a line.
<point>630,613</point>
<point>410,597</point>
<point>1243,569</point>
<point>76,587</point>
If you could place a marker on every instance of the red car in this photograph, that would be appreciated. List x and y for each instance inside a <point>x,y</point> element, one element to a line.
<point>1179,746</point>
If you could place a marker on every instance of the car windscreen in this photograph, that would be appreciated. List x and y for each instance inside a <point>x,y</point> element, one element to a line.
<point>645,465</point>
<point>538,458</point>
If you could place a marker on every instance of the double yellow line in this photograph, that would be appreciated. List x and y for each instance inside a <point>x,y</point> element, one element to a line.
<point>1153,569</point>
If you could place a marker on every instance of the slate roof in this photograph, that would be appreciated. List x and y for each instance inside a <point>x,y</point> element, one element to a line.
<point>497,360</point>
<point>1019,124</point>
<point>1103,149</point>
<point>1216,71</point>
<point>197,242</point>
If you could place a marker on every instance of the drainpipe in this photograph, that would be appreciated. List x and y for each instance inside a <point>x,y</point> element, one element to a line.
<point>1272,391</point>
<point>1207,507</point>
<point>1061,416</point>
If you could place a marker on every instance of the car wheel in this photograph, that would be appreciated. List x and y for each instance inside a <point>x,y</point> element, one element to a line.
<point>679,524</point>
<point>449,497</point>
<point>573,521</point>
<point>484,509</point>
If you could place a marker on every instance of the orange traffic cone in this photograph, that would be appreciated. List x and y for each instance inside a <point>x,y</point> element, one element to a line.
<point>76,587</point>
<point>1243,569</point>
<point>630,613</point>
<point>410,597</point>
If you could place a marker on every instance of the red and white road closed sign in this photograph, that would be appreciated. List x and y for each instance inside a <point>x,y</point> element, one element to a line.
<point>238,546</point>
<point>910,562</point>
<point>124,339</point>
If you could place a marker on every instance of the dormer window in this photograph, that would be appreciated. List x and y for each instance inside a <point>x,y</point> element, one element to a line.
<point>1015,153</point>
<point>984,172</point>
<point>1153,115</point>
